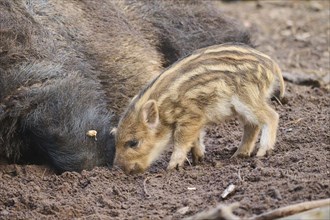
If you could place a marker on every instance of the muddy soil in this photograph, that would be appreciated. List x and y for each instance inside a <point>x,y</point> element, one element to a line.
<point>296,33</point>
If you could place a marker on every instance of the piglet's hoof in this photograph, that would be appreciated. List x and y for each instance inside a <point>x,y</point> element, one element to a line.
<point>173,166</point>
<point>240,154</point>
<point>197,160</point>
<point>262,152</point>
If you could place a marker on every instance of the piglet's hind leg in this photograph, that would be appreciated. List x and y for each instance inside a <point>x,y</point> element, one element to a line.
<point>257,114</point>
<point>247,145</point>
<point>269,130</point>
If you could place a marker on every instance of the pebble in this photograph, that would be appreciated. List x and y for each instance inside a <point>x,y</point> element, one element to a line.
<point>316,6</point>
<point>4,212</point>
<point>183,210</point>
<point>217,164</point>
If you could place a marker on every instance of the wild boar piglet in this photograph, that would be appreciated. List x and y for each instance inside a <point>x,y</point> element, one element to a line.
<point>210,86</point>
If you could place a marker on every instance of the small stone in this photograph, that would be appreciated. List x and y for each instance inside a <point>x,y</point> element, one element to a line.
<point>37,188</point>
<point>124,206</point>
<point>217,164</point>
<point>316,6</point>
<point>256,164</point>
<point>183,210</point>
<point>275,193</point>
<point>228,190</point>
<point>4,212</point>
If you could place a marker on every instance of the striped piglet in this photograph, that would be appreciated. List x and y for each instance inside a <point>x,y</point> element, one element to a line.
<point>209,86</point>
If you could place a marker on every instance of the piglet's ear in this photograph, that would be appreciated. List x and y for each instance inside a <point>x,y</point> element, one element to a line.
<point>150,113</point>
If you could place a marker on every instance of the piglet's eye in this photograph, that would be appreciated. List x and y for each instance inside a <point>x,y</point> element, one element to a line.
<point>132,143</point>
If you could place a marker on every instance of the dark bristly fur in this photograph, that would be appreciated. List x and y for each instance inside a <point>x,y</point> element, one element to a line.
<point>46,108</point>
<point>184,26</point>
<point>66,65</point>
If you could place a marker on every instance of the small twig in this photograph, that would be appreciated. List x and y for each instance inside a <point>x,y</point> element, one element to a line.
<point>294,122</point>
<point>291,209</point>
<point>43,174</point>
<point>145,187</point>
<point>191,188</point>
<point>279,102</point>
<point>239,175</point>
<point>226,211</point>
<point>188,161</point>
<point>220,212</point>
<point>145,184</point>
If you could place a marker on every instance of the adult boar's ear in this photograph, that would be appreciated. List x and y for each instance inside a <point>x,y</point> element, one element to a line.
<point>150,114</point>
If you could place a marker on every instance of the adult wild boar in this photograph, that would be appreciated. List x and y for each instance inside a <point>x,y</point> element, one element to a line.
<point>68,67</point>
<point>47,102</point>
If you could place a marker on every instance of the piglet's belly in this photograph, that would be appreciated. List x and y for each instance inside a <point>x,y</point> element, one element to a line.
<point>219,112</point>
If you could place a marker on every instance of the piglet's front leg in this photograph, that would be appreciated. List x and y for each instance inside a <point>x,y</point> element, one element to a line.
<point>179,155</point>
<point>198,149</point>
<point>185,138</point>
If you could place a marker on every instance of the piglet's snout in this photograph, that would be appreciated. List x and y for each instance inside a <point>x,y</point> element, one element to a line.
<point>131,168</point>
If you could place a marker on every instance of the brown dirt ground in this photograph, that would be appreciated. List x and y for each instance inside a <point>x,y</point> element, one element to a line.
<point>296,33</point>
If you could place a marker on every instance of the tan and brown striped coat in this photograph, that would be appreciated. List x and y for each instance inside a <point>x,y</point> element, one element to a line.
<point>211,85</point>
